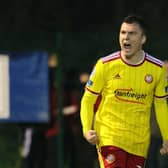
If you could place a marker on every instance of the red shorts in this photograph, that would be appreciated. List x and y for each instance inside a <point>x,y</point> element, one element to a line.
<point>113,157</point>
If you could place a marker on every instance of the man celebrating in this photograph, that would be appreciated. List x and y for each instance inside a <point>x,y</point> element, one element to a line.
<point>128,82</point>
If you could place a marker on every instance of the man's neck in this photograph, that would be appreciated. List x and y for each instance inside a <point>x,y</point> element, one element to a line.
<point>135,59</point>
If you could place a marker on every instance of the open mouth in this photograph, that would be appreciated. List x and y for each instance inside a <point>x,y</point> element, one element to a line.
<point>127,45</point>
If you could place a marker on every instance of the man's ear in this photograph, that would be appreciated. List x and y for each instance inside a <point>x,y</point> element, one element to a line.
<point>143,39</point>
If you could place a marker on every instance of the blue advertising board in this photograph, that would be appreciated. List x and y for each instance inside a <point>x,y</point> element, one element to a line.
<point>24,95</point>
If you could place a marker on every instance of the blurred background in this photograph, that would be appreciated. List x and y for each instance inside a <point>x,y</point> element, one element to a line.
<point>62,39</point>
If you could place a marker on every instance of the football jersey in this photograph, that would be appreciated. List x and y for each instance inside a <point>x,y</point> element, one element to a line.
<point>127,92</point>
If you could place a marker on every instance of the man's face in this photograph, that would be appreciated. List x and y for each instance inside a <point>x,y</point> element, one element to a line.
<point>131,39</point>
<point>166,65</point>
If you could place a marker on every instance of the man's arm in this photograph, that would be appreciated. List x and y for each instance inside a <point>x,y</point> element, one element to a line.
<point>161,109</point>
<point>87,115</point>
<point>93,89</point>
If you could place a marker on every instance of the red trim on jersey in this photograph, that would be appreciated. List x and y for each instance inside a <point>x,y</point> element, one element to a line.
<point>96,105</point>
<point>154,60</point>
<point>130,101</point>
<point>111,57</point>
<point>166,96</point>
<point>92,91</point>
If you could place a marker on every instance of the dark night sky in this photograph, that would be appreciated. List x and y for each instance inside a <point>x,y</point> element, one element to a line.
<point>75,15</point>
<point>89,27</point>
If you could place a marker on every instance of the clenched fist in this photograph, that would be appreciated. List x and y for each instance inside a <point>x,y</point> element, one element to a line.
<point>91,137</point>
<point>164,149</point>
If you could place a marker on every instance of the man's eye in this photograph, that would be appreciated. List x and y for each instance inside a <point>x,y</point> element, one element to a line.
<point>123,32</point>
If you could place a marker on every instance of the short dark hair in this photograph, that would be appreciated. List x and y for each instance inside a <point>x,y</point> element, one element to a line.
<point>136,19</point>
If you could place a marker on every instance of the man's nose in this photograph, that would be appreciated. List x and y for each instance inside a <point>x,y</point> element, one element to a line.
<point>126,36</point>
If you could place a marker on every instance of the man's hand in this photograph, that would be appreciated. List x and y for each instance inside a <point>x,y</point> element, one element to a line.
<point>91,137</point>
<point>164,149</point>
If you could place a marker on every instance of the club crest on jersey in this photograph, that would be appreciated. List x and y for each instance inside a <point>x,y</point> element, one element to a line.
<point>110,158</point>
<point>148,78</point>
<point>89,83</point>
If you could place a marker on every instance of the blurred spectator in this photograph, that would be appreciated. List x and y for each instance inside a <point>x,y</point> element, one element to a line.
<point>76,148</point>
<point>34,147</point>
<point>38,138</point>
<point>154,160</point>
<point>53,125</point>
<point>53,128</point>
<point>70,115</point>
